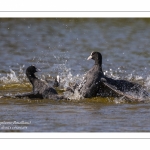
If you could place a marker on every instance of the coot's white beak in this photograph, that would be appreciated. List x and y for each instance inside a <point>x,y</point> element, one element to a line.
<point>90,57</point>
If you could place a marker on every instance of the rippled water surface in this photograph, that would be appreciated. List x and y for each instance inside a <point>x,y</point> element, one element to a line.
<point>61,47</point>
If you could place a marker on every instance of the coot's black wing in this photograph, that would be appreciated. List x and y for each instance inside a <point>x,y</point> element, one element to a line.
<point>119,93</point>
<point>40,90</point>
<point>39,86</point>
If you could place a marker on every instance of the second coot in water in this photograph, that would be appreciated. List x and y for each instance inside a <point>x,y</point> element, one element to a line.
<point>41,89</point>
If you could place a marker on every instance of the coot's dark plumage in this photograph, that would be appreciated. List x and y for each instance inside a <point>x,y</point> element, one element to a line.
<point>96,83</point>
<point>129,91</point>
<point>112,87</point>
<point>91,84</point>
<point>41,89</point>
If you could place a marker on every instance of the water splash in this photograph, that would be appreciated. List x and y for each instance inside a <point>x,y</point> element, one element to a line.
<point>10,77</point>
<point>13,77</point>
<point>64,70</point>
<point>67,79</point>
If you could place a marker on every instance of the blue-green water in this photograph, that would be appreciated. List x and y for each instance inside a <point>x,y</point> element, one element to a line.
<point>61,47</point>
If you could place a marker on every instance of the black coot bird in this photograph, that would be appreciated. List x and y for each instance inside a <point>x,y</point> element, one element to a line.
<point>92,80</point>
<point>115,88</point>
<point>90,86</point>
<point>97,84</point>
<point>41,89</point>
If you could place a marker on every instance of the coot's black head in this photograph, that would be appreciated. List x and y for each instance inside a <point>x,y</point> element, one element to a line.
<point>97,57</point>
<point>31,70</point>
